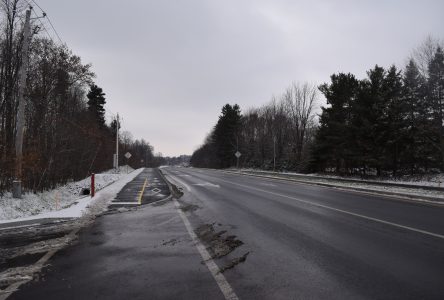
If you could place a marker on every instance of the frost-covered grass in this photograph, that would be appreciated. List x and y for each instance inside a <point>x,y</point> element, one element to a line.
<point>54,200</point>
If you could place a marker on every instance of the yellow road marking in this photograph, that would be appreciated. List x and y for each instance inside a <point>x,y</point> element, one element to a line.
<point>142,190</point>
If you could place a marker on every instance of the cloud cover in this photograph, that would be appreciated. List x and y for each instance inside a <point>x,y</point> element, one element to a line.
<point>168,66</point>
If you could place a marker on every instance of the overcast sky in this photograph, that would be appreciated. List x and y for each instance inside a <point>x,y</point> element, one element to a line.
<point>168,67</point>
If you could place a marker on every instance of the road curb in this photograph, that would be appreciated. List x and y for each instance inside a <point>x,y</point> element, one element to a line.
<point>175,192</point>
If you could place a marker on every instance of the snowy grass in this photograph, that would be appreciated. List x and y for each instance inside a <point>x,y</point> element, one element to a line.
<point>57,199</point>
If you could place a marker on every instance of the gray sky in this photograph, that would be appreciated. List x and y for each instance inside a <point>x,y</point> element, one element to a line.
<point>169,66</point>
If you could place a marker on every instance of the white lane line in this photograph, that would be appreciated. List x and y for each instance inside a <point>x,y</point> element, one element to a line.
<point>223,284</point>
<point>342,211</point>
<point>267,184</point>
<point>181,182</point>
<point>209,184</point>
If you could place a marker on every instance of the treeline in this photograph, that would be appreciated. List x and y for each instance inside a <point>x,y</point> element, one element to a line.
<point>66,136</point>
<point>181,160</point>
<point>391,122</point>
<point>277,135</point>
<point>142,153</point>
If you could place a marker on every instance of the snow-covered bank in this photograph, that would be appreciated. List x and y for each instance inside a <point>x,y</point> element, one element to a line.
<point>64,201</point>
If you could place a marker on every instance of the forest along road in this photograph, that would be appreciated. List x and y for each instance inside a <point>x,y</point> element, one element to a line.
<point>304,241</point>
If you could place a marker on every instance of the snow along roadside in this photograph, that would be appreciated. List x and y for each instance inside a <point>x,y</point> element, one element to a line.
<point>86,205</point>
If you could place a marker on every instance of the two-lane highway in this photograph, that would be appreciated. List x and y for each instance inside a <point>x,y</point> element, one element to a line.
<point>320,243</point>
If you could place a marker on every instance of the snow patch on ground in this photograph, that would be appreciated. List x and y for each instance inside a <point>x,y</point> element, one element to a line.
<point>64,201</point>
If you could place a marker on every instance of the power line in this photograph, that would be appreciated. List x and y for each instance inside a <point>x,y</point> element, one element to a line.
<point>43,26</point>
<point>49,20</point>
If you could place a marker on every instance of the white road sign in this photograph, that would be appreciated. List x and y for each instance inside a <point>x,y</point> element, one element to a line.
<point>237,154</point>
<point>127,155</point>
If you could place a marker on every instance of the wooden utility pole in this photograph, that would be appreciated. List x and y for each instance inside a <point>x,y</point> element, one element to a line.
<point>274,153</point>
<point>117,143</point>
<point>20,125</point>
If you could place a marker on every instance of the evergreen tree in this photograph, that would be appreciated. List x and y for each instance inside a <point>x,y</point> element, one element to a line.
<point>394,125</point>
<point>414,99</point>
<point>436,102</point>
<point>226,135</point>
<point>334,140</point>
<point>368,120</point>
<point>96,104</point>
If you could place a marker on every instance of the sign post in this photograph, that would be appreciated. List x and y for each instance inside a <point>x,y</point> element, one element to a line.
<point>93,187</point>
<point>128,156</point>
<point>237,154</point>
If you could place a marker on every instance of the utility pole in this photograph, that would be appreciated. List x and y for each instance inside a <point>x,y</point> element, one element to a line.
<point>116,158</point>
<point>20,125</point>
<point>274,153</point>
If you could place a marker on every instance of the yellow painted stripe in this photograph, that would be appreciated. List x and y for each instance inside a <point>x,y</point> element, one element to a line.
<point>142,190</point>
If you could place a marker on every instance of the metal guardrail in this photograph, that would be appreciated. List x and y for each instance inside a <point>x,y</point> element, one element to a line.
<point>330,179</point>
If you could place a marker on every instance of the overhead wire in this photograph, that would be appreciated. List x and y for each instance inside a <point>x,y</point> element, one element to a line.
<point>49,21</point>
<point>45,15</point>
<point>43,26</point>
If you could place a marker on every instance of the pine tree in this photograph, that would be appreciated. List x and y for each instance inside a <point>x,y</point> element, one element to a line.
<point>436,101</point>
<point>414,99</point>
<point>394,130</point>
<point>96,104</point>
<point>334,147</point>
<point>226,135</point>
<point>368,122</point>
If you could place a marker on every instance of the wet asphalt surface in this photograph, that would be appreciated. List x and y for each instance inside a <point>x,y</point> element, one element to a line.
<point>293,249</point>
<point>141,254</point>
<point>302,251</point>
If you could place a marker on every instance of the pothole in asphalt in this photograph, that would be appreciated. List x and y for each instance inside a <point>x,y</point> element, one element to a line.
<point>171,242</point>
<point>219,244</point>
<point>234,262</point>
<point>189,207</point>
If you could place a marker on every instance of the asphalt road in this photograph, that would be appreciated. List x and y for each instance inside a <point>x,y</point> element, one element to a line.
<point>311,242</point>
<point>297,242</point>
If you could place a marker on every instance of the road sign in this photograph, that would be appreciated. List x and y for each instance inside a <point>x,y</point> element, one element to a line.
<point>237,154</point>
<point>128,155</point>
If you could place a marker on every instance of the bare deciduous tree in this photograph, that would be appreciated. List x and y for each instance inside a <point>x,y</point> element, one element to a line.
<point>300,100</point>
<point>424,54</point>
